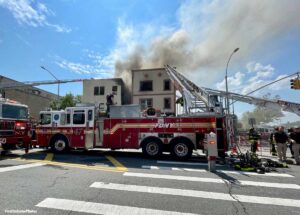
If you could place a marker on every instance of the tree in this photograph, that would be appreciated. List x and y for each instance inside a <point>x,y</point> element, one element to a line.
<point>69,100</point>
<point>262,114</point>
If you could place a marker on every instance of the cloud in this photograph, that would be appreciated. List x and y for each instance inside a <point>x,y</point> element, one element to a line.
<point>28,12</point>
<point>257,75</point>
<point>96,65</point>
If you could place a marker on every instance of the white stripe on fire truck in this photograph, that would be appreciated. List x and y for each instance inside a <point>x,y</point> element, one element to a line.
<point>100,208</point>
<point>152,125</point>
<point>198,194</point>
<point>213,180</point>
<point>25,166</point>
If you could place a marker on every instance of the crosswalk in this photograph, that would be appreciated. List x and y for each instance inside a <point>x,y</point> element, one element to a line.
<point>127,185</point>
<point>271,174</point>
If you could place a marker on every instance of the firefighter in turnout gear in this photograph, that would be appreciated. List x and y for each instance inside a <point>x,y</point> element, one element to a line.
<point>253,138</point>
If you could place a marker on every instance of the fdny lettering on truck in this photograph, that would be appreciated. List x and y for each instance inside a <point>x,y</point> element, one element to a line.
<point>165,125</point>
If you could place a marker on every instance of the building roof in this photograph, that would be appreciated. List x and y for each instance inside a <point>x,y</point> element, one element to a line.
<point>150,69</point>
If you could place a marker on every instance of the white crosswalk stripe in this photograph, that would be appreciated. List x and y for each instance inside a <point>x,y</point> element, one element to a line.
<point>185,163</point>
<point>213,180</point>
<point>198,194</point>
<point>100,208</point>
<point>270,174</point>
<point>18,167</point>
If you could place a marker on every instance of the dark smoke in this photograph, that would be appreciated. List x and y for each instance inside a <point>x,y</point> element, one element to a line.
<point>254,26</point>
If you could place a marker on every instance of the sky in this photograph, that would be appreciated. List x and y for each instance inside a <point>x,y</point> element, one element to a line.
<point>77,39</point>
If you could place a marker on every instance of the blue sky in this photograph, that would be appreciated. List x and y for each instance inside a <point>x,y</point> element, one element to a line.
<point>84,39</point>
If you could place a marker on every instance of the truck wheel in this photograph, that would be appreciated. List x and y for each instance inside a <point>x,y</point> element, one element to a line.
<point>152,148</point>
<point>59,145</point>
<point>181,150</point>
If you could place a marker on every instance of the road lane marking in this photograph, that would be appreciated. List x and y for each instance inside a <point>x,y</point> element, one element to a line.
<point>49,157</point>
<point>213,180</point>
<point>186,163</point>
<point>116,163</point>
<point>18,167</point>
<point>72,165</point>
<point>198,194</point>
<point>271,174</point>
<point>100,208</point>
<point>173,168</point>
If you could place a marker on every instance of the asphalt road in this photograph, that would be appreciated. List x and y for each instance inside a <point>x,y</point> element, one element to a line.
<point>104,182</point>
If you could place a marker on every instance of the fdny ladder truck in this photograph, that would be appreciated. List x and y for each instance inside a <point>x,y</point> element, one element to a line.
<point>81,127</point>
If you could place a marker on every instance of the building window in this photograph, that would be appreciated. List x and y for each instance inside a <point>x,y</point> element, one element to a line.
<point>102,91</point>
<point>96,91</point>
<point>146,103</point>
<point>167,85</point>
<point>146,86</point>
<point>167,103</point>
<point>114,88</point>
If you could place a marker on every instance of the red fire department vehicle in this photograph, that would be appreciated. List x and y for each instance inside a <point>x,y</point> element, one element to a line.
<point>81,128</point>
<point>15,127</point>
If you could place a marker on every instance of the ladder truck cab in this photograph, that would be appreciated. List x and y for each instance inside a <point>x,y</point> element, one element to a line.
<point>82,128</point>
<point>15,126</point>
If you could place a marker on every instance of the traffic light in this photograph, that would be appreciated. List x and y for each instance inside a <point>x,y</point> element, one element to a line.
<point>295,83</point>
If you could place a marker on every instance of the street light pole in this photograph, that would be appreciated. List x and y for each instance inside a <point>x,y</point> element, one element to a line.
<point>226,82</point>
<point>44,68</point>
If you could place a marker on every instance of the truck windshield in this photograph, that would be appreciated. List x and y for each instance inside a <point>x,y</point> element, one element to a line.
<point>14,112</point>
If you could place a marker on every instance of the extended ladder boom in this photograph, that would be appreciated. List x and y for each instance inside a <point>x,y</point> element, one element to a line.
<point>208,99</point>
<point>193,95</point>
<point>36,83</point>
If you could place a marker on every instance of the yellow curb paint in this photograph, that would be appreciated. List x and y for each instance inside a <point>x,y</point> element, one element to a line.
<point>80,166</point>
<point>49,157</point>
<point>116,163</point>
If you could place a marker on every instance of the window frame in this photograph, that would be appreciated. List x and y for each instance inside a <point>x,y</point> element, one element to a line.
<point>165,81</point>
<point>100,90</point>
<point>169,99</point>
<point>140,88</point>
<point>96,90</point>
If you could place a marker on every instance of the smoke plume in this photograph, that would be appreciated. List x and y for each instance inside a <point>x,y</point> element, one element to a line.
<point>209,31</point>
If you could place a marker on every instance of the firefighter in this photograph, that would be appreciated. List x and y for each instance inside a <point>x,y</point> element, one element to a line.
<point>253,138</point>
<point>272,143</point>
<point>281,139</point>
<point>295,139</point>
<point>109,102</point>
<point>291,142</point>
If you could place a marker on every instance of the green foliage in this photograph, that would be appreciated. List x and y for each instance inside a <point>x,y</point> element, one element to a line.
<point>261,114</point>
<point>69,100</point>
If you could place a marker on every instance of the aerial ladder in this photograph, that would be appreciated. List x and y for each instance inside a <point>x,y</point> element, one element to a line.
<point>207,99</point>
<point>203,100</point>
<point>7,85</point>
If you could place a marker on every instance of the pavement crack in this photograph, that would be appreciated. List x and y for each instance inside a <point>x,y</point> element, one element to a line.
<point>57,179</point>
<point>229,181</point>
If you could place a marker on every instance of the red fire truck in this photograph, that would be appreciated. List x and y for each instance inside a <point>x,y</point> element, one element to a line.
<point>15,127</point>
<point>81,128</point>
